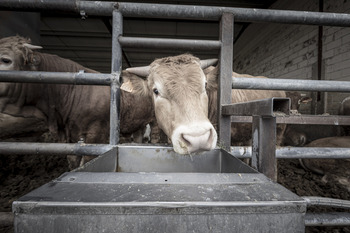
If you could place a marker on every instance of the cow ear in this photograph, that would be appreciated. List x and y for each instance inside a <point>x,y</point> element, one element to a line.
<point>305,99</point>
<point>211,74</point>
<point>134,84</point>
<point>34,62</point>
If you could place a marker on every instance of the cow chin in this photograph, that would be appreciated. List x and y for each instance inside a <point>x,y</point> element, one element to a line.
<point>188,139</point>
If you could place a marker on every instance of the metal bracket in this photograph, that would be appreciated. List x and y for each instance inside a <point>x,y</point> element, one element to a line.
<point>264,107</point>
<point>263,130</point>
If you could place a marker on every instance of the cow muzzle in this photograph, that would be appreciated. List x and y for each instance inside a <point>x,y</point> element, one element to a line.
<point>194,138</point>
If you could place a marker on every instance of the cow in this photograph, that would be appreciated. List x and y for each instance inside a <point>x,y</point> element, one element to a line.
<point>331,170</point>
<point>177,87</point>
<point>82,112</point>
<point>185,94</point>
<point>292,135</point>
<point>71,112</point>
<point>183,98</point>
<point>344,109</point>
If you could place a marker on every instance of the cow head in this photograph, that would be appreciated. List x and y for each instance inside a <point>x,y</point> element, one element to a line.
<point>15,53</point>
<point>177,86</point>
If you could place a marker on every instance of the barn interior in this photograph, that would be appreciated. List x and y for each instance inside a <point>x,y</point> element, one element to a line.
<point>87,40</point>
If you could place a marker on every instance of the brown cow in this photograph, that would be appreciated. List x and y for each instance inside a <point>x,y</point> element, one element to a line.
<point>72,112</point>
<point>332,170</point>
<point>293,136</point>
<point>177,87</point>
<point>240,132</point>
<point>344,109</point>
<point>168,83</point>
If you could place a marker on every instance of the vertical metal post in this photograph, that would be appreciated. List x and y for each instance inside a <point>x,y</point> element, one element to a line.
<point>264,146</point>
<point>225,79</point>
<point>116,69</point>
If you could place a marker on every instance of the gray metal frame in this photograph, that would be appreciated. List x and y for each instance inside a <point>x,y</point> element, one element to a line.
<point>120,10</point>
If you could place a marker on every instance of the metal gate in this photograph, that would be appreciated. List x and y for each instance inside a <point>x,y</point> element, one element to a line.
<point>226,16</point>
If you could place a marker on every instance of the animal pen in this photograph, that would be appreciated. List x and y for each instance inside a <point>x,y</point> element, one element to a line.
<point>150,188</point>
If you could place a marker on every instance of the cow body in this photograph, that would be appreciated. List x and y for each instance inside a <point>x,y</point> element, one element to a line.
<point>344,109</point>
<point>332,170</point>
<point>71,112</point>
<point>241,133</point>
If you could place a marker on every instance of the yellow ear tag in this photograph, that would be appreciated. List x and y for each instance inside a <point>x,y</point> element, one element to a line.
<point>127,86</point>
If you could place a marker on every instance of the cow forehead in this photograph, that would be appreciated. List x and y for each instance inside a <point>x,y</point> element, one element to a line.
<point>6,52</point>
<point>14,53</point>
<point>185,81</point>
<point>178,75</point>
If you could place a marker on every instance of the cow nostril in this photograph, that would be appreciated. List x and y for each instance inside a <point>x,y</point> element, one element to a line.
<point>210,139</point>
<point>187,142</point>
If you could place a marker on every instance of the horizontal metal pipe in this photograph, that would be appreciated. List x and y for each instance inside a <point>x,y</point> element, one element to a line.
<point>160,43</point>
<point>79,78</point>
<point>240,14</point>
<point>97,149</point>
<point>179,11</point>
<point>290,84</point>
<point>33,5</point>
<point>327,202</point>
<point>22,148</point>
<point>82,78</point>
<point>301,119</point>
<point>327,219</point>
<point>298,152</point>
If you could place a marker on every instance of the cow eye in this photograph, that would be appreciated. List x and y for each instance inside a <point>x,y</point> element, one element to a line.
<point>155,91</point>
<point>6,60</point>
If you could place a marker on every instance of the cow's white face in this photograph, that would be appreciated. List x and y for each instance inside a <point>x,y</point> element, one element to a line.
<point>181,104</point>
<point>16,53</point>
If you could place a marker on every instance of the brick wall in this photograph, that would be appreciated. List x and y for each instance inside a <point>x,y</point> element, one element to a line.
<point>291,51</point>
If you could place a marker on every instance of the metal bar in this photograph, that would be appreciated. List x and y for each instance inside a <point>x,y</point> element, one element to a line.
<point>315,120</point>
<point>327,202</point>
<point>290,84</point>
<point>264,107</point>
<point>224,82</point>
<point>241,14</point>
<point>238,83</point>
<point>313,152</point>
<point>79,78</point>
<point>160,43</point>
<point>117,31</point>
<point>297,152</point>
<point>264,146</point>
<point>327,219</point>
<point>23,148</point>
<point>180,11</point>
<point>61,5</point>
<point>301,119</point>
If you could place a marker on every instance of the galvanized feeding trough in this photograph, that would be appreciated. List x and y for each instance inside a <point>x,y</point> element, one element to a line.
<point>153,189</point>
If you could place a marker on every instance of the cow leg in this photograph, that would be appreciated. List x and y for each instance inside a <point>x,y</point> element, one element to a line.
<point>146,137</point>
<point>138,136</point>
<point>74,161</point>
